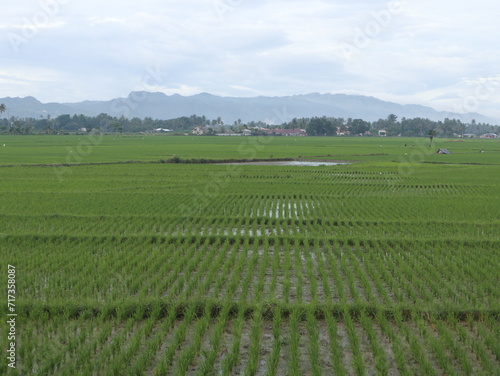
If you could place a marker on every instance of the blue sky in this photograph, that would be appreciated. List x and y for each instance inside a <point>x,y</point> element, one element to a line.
<point>443,54</point>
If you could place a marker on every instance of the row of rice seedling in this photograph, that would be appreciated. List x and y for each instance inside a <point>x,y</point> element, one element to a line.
<point>144,359</point>
<point>328,219</point>
<point>269,275</point>
<point>180,271</point>
<point>210,354</point>
<point>172,347</point>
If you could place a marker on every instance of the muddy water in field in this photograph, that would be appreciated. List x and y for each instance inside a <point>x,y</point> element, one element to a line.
<point>289,163</point>
<point>230,336</point>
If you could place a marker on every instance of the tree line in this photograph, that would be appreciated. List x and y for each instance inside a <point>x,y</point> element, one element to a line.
<point>65,124</point>
<point>408,127</point>
<point>314,126</point>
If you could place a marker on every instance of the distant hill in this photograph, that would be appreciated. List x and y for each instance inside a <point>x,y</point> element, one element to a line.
<point>275,110</point>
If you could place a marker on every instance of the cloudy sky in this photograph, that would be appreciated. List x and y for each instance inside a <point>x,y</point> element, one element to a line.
<point>445,53</point>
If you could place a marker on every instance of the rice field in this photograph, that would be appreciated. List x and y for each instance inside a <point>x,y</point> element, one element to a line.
<point>173,269</point>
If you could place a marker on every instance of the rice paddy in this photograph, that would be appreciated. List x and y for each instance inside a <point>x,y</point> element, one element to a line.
<point>387,266</point>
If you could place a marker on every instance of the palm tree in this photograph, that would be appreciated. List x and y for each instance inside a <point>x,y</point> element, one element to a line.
<point>432,133</point>
<point>48,129</point>
<point>2,108</point>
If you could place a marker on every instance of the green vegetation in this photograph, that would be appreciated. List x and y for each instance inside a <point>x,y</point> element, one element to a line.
<point>316,126</point>
<point>386,266</point>
<point>113,148</point>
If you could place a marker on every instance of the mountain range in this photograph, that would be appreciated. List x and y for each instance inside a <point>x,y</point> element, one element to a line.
<point>273,110</point>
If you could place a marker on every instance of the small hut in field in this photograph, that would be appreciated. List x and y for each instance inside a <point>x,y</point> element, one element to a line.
<point>443,151</point>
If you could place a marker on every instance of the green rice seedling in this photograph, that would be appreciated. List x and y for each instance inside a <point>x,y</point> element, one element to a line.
<point>313,332</point>
<point>261,274</point>
<point>287,272</point>
<point>236,277</point>
<point>325,283</point>
<point>397,346</point>
<point>76,342</point>
<point>480,352</point>
<point>367,288</point>
<point>178,338</point>
<point>435,280</point>
<point>26,348</point>
<point>185,358</point>
<point>216,276</point>
<point>246,283</point>
<point>275,266</point>
<point>124,359</point>
<point>401,273</point>
<point>335,348</point>
<point>210,355</point>
<point>208,262</point>
<point>436,345</point>
<point>372,259</point>
<point>442,270</point>
<point>86,351</point>
<point>416,347</point>
<point>350,278</point>
<point>154,343</point>
<point>458,352</point>
<point>298,273</point>
<point>383,263</point>
<point>333,267</point>
<point>359,364</point>
<point>231,359</point>
<point>311,274</point>
<point>105,332</point>
<point>262,225</point>
<point>158,268</point>
<point>255,334</point>
<point>378,352</point>
<point>294,361</point>
<point>181,281</point>
<point>111,349</point>
<point>277,343</point>
<point>170,282</point>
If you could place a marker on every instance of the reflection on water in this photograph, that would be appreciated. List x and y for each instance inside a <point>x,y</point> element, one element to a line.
<point>289,163</point>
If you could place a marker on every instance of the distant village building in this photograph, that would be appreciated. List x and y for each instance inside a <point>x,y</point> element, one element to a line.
<point>290,132</point>
<point>382,133</point>
<point>489,135</point>
<point>200,131</point>
<point>343,133</point>
<point>286,132</point>
<point>248,132</point>
<point>229,133</point>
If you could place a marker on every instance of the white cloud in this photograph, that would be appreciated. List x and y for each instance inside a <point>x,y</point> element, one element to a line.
<point>427,52</point>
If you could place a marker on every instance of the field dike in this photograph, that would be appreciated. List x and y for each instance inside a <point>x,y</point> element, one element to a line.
<point>143,310</point>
